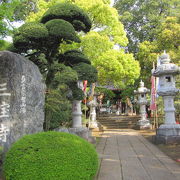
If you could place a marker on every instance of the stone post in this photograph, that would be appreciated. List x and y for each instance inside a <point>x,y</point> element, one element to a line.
<point>143,123</point>
<point>93,105</point>
<point>76,114</point>
<point>76,110</point>
<point>169,132</point>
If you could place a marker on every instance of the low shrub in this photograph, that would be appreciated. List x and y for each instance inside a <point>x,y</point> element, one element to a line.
<point>51,156</point>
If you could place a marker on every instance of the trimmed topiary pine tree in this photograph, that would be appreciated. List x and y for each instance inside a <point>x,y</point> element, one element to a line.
<point>40,42</point>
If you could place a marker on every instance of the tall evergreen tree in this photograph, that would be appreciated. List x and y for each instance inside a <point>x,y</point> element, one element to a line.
<point>40,41</point>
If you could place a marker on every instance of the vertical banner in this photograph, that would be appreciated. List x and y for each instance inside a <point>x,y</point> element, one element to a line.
<point>85,86</point>
<point>153,94</point>
<point>157,78</point>
<point>85,100</point>
<point>153,106</point>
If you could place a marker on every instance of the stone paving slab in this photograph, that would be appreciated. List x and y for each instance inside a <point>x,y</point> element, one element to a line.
<point>126,155</point>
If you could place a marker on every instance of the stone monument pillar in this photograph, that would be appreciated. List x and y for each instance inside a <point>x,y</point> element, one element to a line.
<point>22,98</point>
<point>143,123</point>
<point>76,110</point>
<point>169,132</point>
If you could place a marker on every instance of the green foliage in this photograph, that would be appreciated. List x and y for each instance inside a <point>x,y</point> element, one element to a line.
<point>33,31</point>
<point>30,36</point>
<point>177,106</point>
<point>122,72</point>
<point>24,8</point>
<point>71,13</point>
<point>15,10</point>
<point>128,92</point>
<point>77,93</point>
<point>61,30</point>
<point>51,155</point>
<point>58,108</point>
<point>58,105</point>
<point>167,39</point>
<point>41,42</point>
<point>142,19</point>
<point>86,72</point>
<point>6,15</point>
<point>73,57</point>
<point>4,45</point>
<point>106,32</point>
<point>64,75</point>
<point>108,94</point>
<point>152,27</point>
<point>148,52</point>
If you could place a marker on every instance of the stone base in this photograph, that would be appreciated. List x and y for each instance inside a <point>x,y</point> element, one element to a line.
<point>81,132</point>
<point>93,124</point>
<point>143,124</point>
<point>159,139</point>
<point>168,134</point>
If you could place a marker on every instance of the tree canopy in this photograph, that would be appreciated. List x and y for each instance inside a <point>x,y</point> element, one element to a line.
<point>168,39</point>
<point>142,19</point>
<point>106,33</point>
<point>152,27</point>
<point>16,10</point>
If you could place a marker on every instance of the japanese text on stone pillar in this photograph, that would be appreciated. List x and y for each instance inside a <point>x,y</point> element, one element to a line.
<point>23,95</point>
<point>4,111</point>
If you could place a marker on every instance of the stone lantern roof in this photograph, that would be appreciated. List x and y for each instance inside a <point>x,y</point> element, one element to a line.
<point>166,72</point>
<point>166,68</point>
<point>142,89</point>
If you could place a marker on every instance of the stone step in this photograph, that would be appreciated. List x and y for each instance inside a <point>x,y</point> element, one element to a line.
<point>116,127</point>
<point>118,122</point>
<point>118,119</point>
<point>104,121</point>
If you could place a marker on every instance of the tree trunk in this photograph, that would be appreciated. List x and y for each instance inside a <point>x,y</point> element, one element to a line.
<point>49,79</point>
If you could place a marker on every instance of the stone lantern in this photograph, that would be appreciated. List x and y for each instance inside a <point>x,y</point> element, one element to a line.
<point>93,104</point>
<point>143,123</point>
<point>168,132</point>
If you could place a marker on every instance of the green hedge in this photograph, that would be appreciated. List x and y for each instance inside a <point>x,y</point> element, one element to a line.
<point>51,156</point>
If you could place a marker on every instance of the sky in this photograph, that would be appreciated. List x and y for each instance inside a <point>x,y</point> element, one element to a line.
<point>112,2</point>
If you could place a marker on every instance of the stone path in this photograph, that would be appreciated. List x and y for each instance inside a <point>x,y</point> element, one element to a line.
<point>126,155</point>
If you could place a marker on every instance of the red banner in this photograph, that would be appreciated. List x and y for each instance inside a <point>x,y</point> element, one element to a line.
<point>85,85</point>
<point>153,94</point>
